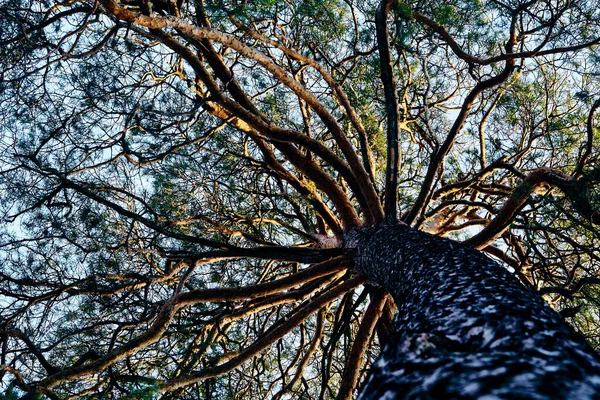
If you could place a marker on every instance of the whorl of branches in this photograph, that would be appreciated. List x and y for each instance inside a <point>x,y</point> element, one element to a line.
<point>177,176</point>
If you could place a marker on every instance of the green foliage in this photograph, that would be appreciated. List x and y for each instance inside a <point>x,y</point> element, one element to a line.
<point>10,394</point>
<point>119,164</point>
<point>445,14</point>
<point>403,10</point>
<point>143,392</point>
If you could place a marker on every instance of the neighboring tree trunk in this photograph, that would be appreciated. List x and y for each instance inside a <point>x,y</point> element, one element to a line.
<point>466,328</point>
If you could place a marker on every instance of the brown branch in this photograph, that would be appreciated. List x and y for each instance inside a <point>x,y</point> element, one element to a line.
<point>391,109</point>
<point>20,382</point>
<point>356,360</point>
<point>151,335</point>
<point>253,124</point>
<point>438,156</point>
<point>170,308</point>
<point>292,295</point>
<point>224,73</point>
<point>305,190</point>
<point>278,331</point>
<point>225,250</point>
<point>385,323</point>
<point>262,289</point>
<point>366,152</point>
<point>358,178</point>
<point>479,176</point>
<point>501,254</point>
<point>514,203</point>
<point>246,309</point>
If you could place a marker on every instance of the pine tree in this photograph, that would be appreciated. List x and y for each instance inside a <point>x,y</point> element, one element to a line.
<point>254,199</point>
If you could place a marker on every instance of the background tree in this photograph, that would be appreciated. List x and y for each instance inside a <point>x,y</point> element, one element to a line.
<point>177,176</point>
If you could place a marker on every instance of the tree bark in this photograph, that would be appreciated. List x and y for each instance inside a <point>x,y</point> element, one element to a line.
<point>466,328</point>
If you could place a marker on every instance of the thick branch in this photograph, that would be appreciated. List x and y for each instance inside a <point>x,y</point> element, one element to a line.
<point>391,109</point>
<point>574,189</point>
<point>356,360</point>
<point>261,289</point>
<point>358,171</point>
<point>366,152</point>
<point>253,124</point>
<point>269,338</point>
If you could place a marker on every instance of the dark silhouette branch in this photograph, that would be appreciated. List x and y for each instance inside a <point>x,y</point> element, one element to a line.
<point>439,154</point>
<point>589,141</point>
<point>391,111</point>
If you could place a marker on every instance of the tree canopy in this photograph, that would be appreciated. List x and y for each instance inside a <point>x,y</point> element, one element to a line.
<point>176,178</point>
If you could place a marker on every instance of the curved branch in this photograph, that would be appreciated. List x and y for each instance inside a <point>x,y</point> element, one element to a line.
<point>479,176</point>
<point>225,250</point>
<point>32,347</point>
<point>355,360</point>
<point>573,289</point>
<point>366,152</point>
<point>438,156</point>
<point>256,126</point>
<point>151,335</point>
<point>309,353</point>
<point>515,202</point>
<point>358,171</point>
<point>268,338</point>
<point>471,59</point>
<point>306,191</point>
<point>170,308</point>
<point>261,289</point>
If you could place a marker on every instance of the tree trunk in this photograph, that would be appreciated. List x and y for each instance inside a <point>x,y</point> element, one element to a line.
<point>466,328</point>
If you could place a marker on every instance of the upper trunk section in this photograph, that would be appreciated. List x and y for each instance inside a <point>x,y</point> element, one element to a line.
<point>465,326</point>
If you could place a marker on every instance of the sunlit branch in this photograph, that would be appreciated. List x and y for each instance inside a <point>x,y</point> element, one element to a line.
<point>219,326</point>
<point>356,359</point>
<point>20,382</point>
<point>262,289</point>
<point>226,250</point>
<point>281,138</point>
<point>313,197</point>
<point>152,334</point>
<point>513,205</point>
<point>268,338</point>
<point>366,152</point>
<point>231,41</point>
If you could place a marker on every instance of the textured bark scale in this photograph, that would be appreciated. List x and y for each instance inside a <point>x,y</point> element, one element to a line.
<point>466,328</point>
